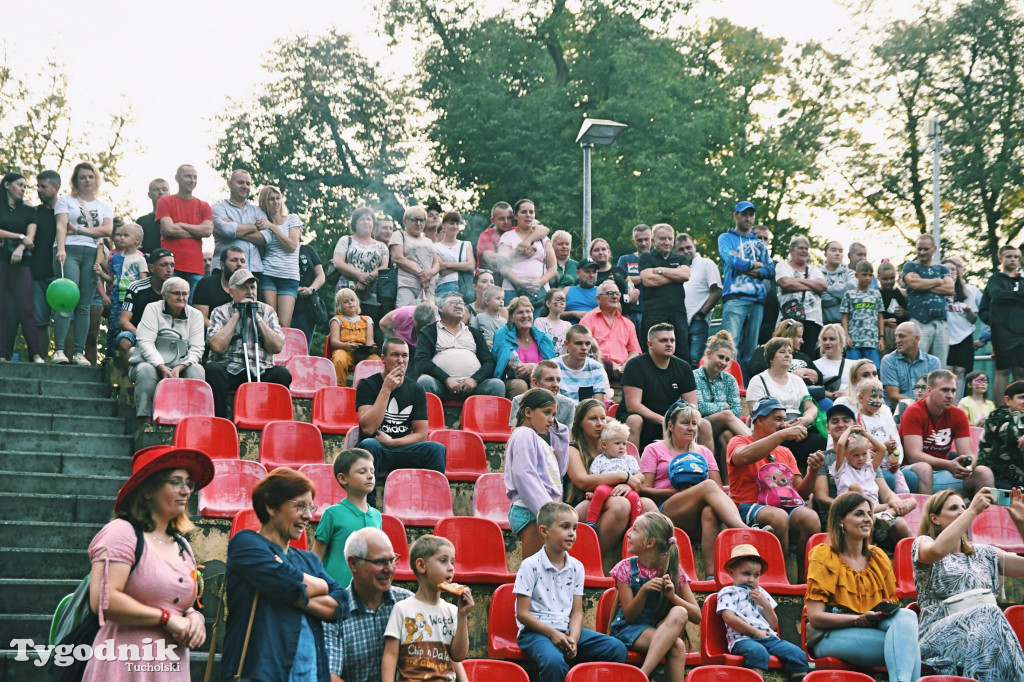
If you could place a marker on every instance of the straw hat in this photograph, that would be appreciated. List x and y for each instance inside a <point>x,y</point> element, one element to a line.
<point>148,461</point>
<point>745,552</point>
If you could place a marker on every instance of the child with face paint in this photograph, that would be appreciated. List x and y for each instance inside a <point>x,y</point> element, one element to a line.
<point>876,418</point>
<point>976,403</point>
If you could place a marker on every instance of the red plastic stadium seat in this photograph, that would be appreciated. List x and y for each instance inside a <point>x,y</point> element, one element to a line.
<point>247,520</point>
<point>605,672</point>
<point>466,459</point>
<point>352,437</point>
<point>435,413</point>
<point>486,670</point>
<point>310,373</point>
<point>632,450</point>
<point>903,567</point>
<point>945,678</point>
<point>256,404</point>
<point>334,409</point>
<point>588,550</point>
<point>995,527</point>
<point>612,410</point>
<point>419,497</point>
<point>294,344</point>
<point>976,433</point>
<point>773,580</point>
<point>290,444</point>
<point>722,673</point>
<point>365,368</point>
<point>913,518</point>
<point>395,530</point>
<point>687,561</point>
<point>713,645</point>
<point>828,664</point>
<point>487,416</point>
<point>215,436</point>
<point>328,492</point>
<point>502,628</point>
<point>230,491</point>
<point>604,621</point>
<point>1015,614</point>
<point>490,500</point>
<point>176,399</point>
<point>485,562</point>
<point>838,676</point>
<point>812,542</point>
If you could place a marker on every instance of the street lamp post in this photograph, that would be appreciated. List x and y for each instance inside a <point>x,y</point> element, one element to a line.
<point>594,131</point>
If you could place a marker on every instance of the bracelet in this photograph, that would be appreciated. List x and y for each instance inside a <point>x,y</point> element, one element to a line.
<point>165,616</point>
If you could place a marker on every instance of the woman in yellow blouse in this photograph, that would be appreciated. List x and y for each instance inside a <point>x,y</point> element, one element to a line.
<point>848,577</point>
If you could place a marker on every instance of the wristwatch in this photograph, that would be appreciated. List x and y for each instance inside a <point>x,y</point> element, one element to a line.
<point>661,271</point>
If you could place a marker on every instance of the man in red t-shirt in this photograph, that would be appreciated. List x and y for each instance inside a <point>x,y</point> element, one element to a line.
<point>746,455</point>
<point>184,220</point>
<point>929,428</point>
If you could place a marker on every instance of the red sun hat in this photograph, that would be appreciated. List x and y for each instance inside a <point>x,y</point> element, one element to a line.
<point>148,461</point>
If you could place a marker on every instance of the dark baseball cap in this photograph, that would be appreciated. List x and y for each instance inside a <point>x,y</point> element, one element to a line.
<point>585,263</point>
<point>158,254</point>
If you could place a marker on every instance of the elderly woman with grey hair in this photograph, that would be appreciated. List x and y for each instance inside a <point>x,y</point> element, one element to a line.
<point>169,343</point>
<point>800,287</point>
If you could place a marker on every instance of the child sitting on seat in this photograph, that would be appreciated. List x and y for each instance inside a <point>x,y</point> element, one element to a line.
<point>350,335</point>
<point>613,459</point>
<point>858,455</point>
<point>353,469</point>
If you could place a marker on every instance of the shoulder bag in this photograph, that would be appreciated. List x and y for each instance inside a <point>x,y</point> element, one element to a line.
<point>832,384</point>
<point>466,280</point>
<point>794,309</point>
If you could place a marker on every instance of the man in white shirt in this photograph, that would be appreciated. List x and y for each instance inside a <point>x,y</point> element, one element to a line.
<point>703,290</point>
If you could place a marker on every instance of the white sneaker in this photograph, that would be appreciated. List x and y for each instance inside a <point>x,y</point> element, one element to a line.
<point>59,358</point>
<point>39,361</point>
<point>80,360</point>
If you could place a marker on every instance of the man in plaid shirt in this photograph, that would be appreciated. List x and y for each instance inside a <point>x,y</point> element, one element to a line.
<point>225,371</point>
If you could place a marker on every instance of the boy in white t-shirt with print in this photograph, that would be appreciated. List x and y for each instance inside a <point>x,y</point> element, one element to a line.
<point>425,635</point>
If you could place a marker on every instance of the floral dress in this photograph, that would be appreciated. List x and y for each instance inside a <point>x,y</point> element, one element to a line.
<point>977,643</point>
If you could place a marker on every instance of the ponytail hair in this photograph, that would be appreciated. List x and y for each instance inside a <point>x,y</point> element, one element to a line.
<point>722,339</point>
<point>659,528</point>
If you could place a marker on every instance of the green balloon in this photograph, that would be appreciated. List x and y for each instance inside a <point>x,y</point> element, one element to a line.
<point>62,295</point>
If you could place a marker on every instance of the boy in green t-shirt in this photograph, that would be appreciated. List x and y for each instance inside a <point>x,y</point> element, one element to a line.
<point>353,468</point>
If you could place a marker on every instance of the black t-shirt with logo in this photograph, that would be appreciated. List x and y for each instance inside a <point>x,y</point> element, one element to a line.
<point>668,296</point>
<point>406,404</point>
<point>661,387</point>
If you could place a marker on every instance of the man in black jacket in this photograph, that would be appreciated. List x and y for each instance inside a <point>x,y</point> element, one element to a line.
<point>1002,308</point>
<point>453,359</point>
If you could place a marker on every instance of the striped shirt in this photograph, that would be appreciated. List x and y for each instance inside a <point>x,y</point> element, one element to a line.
<point>592,375</point>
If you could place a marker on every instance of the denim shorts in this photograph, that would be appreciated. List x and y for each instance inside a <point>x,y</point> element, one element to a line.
<point>124,335</point>
<point>519,517</point>
<point>282,285</point>
<point>750,510</point>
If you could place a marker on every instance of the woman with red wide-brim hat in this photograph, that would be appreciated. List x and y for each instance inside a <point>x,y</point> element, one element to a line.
<point>141,603</point>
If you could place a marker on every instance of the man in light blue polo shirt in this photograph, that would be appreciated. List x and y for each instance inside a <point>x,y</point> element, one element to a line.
<point>234,223</point>
<point>902,367</point>
<point>581,297</point>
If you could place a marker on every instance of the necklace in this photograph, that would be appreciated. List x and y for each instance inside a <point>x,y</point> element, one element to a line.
<point>168,541</point>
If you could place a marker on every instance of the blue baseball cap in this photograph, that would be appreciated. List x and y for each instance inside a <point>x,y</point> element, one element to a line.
<point>743,206</point>
<point>764,407</point>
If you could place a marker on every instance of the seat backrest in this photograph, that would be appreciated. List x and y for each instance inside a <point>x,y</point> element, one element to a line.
<point>813,542</point>
<point>310,373</point>
<point>395,530</point>
<point>687,561</point>
<point>945,678</point>
<point>903,567</point>
<point>290,444</point>
<point>230,491</point>
<point>632,450</point>
<point>352,437</point>
<point>215,436</point>
<point>247,520</point>
<point>839,676</point>
<point>482,535</point>
<point>767,546</point>
<point>976,433</point>
<point>257,403</point>
<point>712,629</point>
<point>486,414</point>
<point>605,672</point>
<point>334,409</point>
<point>913,517</point>
<point>1015,614</point>
<point>588,550</point>
<point>435,412</point>
<point>995,527</point>
<point>294,344</point>
<point>502,629</point>
<point>604,610</point>
<point>419,497</point>
<point>722,673</point>
<point>176,399</point>
<point>328,491</point>
<point>466,451</point>
<point>365,368</point>
<point>487,670</point>
<point>737,373</point>
<point>490,500</point>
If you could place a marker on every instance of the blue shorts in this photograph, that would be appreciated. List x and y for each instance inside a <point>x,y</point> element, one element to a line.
<point>519,517</point>
<point>282,285</point>
<point>943,480</point>
<point>124,335</point>
<point>750,510</point>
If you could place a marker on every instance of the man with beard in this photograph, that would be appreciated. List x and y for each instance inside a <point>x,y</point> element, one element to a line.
<point>234,224</point>
<point>213,290</point>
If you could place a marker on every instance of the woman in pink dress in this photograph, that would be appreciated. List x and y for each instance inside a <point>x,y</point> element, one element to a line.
<point>148,606</point>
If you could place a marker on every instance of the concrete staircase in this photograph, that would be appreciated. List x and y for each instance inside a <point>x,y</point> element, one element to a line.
<point>63,455</point>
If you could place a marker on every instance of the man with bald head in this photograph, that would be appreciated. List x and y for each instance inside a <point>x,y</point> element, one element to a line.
<point>158,187</point>
<point>234,223</point>
<point>902,367</point>
<point>184,220</point>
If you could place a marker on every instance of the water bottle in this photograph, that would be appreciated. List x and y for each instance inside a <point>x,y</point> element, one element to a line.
<point>513,363</point>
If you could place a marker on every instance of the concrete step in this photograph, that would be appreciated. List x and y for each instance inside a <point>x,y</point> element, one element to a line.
<point>17,440</point>
<point>28,595</point>
<point>64,422</point>
<point>58,389</point>
<point>65,564</point>
<point>67,464</point>
<point>49,372</point>
<point>31,534</point>
<point>55,508</point>
<point>37,404</point>
<point>56,484</point>
<point>34,626</point>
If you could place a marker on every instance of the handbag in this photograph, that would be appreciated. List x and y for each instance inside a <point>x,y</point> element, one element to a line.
<point>794,309</point>
<point>320,313</point>
<point>832,384</point>
<point>968,600</point>
<point>466,289</point>
<point>171,346</point>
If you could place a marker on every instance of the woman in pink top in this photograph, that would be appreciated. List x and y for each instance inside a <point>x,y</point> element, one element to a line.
<point>700,510</point>
<point>143,604</point>
<point>527,270</point>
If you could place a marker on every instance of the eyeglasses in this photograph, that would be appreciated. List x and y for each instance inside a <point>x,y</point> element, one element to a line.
<point>613,294</point>
<point>179,294</point>
<point>300,507</point>
<point>418,221</point>
<point>179,484</point>
<point>381,563</point>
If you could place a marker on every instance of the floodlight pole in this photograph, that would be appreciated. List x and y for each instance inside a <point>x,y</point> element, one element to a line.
<point>935,132</point>
<point>587,149</point>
